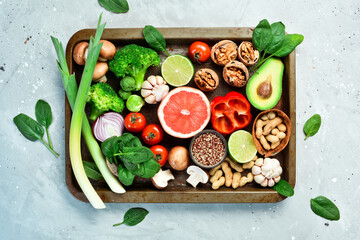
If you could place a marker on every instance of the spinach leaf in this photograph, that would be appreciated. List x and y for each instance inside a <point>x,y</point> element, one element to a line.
<point>110,147</point>
<point>125,176</point>
<point>28,127</point>
<point>312,125</point>
<point>284,188</point>
<point>135,142</point>
<point>136,154</point>
<point>92,170</point>
<point>154,38</point>
<point>262,35</point>
<point>139,170</point>
<point>151,167</point>
<point>43,113</point>
<point>132,167</point>
<point>278,32</point>
<point>133,216</point>
<point>289,44</point>
<point>116,6</point>
<point>325,208</point>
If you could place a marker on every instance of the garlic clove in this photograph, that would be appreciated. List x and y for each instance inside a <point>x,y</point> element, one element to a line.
<point>150,99</point>
<point>271,182</point>
<point>264,183</point>
<point>277,179</point>
<point>256,170</point>
<point>259,162</point>
<point>145,92</point>
<point>160,80</point>
<point>152,80</point>
<point>259,178</point>
<point>147,85</point>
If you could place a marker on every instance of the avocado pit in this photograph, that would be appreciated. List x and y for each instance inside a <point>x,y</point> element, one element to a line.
<point>264,90</point>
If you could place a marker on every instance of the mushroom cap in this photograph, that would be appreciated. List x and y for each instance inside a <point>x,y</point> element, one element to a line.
<point>203,85</point>
<point>178,158</point>
<point>161,178</point>
<point>203,176</point>
<point>79,53</point>
<point>100,70</point>
<point>236,82</point>
<point>248,62</point>
<point>108,50</point>
<point>218,45</point>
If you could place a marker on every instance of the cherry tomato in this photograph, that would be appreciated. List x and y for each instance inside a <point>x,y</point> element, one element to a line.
<point>152,134</point>
<point>134,122</point>
<point>160,154</point>
<point>199,52</point>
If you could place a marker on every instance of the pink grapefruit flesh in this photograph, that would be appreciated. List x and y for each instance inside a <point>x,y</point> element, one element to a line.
<point>184,112</point>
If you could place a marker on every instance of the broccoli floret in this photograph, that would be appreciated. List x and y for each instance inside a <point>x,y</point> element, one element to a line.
<point>133,60</point>
<point>103,98</point>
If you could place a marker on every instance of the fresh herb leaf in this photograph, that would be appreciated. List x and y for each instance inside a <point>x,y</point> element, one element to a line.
<point>325,208</point>
<point>43,113</point>
<point>262,36</point>
<point>289,44</point>
<point>136,154</point>
<point>134,216</point>
<point>155,39</point>
<point>116,6</point>
<point>284,188</point>
<point>151,167</point>
<point>92,170</point>
<point>125,176</point>
<point>312,125</point>
<point>30,128</point>
<point>278,32</point>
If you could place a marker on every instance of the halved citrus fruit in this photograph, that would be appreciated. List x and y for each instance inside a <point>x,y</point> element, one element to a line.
<point>177,70</point>
<point>184,112</point>
<point>241,146</point>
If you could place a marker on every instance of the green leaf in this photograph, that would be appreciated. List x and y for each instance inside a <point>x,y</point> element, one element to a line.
<point>151,167</point>
<point>325,208</point>
<point>43,113</point>
<point>278,32</point>
<point>284,188</point>
<point>289,44</point>
<point>125,176</point>
<point>92,170</point>
<point>136,154</point>
<point>28,127</point>
<point>312,125</point>
<point>134,216</point>
<point>262,35</point>
<point>154,38</point>
<point>116,6</point>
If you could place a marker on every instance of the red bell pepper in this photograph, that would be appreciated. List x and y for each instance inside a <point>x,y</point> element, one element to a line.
<point>230,113</point>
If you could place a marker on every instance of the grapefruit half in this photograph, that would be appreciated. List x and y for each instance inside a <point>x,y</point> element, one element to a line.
<point>184,112</point>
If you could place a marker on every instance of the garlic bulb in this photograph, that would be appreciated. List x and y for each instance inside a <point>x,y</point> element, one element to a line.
<point>267,171</point>
<point>154,89</point>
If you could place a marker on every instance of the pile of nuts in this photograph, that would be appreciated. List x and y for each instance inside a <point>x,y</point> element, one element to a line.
<point>223,175</point>
<point>270,130</point>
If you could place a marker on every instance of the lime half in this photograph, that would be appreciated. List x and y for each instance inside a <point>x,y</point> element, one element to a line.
<point>241,146</point>
<point>177,70</point>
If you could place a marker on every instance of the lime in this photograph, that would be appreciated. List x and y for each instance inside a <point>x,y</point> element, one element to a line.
<point>177,70</point>
<point>241,146</point>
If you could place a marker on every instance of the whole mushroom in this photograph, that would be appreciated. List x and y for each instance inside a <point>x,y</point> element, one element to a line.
<point>267,171</point>
<point>154,89</point>
<point>178,158</point>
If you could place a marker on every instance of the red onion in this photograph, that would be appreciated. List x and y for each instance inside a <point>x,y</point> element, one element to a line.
<point>107,125</point>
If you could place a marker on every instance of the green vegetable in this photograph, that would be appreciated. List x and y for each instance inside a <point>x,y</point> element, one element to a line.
<point>44,117</point>
<point>92,170</point>
<point>133,216</point>
<point>325,208</point>
<point>70,86</point>
<point>131,158</point>
<point>116,6</point>
<point>312,125</point>
<point>103,98</point>
<point>124,95</point>
<point>135,103</point>
<point>271,40</point>
<point>128,84</point>
<point>155,39</point>
<point>133,60</point>
<point>31,130</point>
<point>284,188</point>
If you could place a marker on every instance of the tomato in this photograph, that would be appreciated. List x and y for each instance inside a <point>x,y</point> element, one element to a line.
<point>152,134</point>
<point>134,122</point>
<point>199,52</point>
<point>160,154</point>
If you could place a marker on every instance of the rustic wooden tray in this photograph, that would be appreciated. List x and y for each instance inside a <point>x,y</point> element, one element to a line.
<point>178,40</point>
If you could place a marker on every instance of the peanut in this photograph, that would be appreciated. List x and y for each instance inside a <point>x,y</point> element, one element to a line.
<point>281,135</point>
<point>218,183</point>
<point>216,176</point>
<point>247,179</point>
<point>264,143</point>
<point>264,117</point>
<point>282,127</point>
<point>213,170</point>
<point>228,173</point>
<point>248,165</point>
<point>236,180</point>
<point>272,138</point>
<point>271,125</point>
<point>259,126</point>
<point>275,131</point>
<point>271,115</point>
<point>234,165</point>
<point>275,144</point>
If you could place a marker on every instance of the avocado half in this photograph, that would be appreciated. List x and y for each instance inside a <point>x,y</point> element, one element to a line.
<point>265,86</point>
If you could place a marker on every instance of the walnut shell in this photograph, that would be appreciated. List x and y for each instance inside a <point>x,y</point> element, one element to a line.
<point>236,74</point>
<point>223,52</point>
<point>284,142</point>
<point>206,79</point>
<point>247,53</point>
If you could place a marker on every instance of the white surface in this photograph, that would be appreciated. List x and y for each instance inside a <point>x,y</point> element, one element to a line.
<point>34,200</point>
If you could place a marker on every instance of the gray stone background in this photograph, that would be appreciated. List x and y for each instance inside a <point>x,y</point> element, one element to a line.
<point>34,200</point>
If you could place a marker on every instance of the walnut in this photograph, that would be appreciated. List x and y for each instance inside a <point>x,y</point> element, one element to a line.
<point>206,79</point>
<point>236,74</point>
<point>223,52</point>
<point>248,55</point>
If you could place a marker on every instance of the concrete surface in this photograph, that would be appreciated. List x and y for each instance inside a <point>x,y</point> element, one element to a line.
<point>34,200</point>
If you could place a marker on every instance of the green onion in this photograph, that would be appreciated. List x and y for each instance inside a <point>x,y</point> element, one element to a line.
<point>79,121</point>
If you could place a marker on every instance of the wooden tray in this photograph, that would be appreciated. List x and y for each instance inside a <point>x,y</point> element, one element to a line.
<point>178,41</point>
